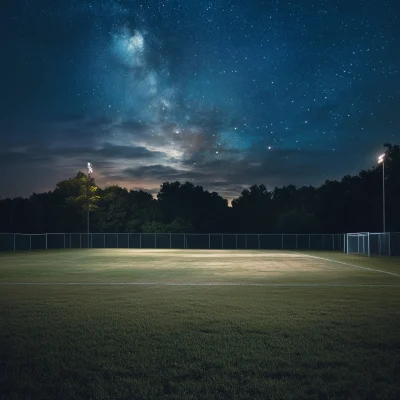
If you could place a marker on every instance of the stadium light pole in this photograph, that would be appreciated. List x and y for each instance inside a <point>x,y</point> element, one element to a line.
<point>90,171</point>
<point>381,160</point>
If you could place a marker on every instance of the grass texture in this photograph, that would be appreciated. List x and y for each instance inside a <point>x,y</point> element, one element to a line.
<point>93,340</point>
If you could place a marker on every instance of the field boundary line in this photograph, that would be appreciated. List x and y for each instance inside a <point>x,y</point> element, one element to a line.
<point>347,264</point>
<point>193,284</point>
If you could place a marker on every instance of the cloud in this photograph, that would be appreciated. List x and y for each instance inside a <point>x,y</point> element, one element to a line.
<point>107,152</point>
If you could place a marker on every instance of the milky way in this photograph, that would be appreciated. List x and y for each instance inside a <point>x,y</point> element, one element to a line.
<point>220,93</point>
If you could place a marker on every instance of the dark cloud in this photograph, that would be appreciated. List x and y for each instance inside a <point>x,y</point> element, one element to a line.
<point>107,152</point>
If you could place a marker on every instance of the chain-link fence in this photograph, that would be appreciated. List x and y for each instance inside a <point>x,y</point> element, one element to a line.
<point>17,241</point>
<point>394,243</point>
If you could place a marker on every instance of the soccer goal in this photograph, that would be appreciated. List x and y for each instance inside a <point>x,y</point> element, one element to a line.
<point>369,244</point>
<point>358,243</point>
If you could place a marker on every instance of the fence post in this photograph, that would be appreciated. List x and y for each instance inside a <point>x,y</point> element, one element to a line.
<point>128,241</point>
<point>117,240</point>
<point>297,246</point>
<point>323,243</point>
<point>170,241</point>
<point>64,240</point>
<point>184,240</point>
<point>282,241</point>
<point>80,240</point>
<point>155,240</point>
<point>30,242</point>
<point>309,241</point>
<point>46,241</point>
<point>14,241</point>
<point>245,241</point>
<point>236,241</point>
<point>258,238</point>
<point>222,240</point>
<point>140,240</point>
<point>209,241</point>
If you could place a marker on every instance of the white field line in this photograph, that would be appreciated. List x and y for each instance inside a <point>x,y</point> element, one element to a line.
<point>349,265</point>
<point>191,284</point>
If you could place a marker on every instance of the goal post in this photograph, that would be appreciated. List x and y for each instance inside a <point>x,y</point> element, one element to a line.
<point>369,244</point>
<point>358,243</point>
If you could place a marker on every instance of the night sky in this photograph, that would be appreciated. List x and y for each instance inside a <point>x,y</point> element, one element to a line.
<point>221,93</point>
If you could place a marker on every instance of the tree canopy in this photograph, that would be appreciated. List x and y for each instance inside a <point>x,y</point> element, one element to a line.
<point>352,204</point>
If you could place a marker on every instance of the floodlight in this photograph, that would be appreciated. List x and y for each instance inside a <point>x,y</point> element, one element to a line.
<point>90,168</point>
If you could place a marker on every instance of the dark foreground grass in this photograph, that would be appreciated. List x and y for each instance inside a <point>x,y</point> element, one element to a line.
<point>199,342</point>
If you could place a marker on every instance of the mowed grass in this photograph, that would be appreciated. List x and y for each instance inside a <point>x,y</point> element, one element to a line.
<point>195,266</point>
<point>198,342</point>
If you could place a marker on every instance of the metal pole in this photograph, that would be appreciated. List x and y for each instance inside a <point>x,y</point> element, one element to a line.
<point>128,241</point>
<point>80,240</point>
<point>236,241</point>
<point>64,240</point>
<point>209,241</point>
<point>87,204</point>
<point>380,247</point>
<point>296,242</point>
<point>245,241</point>
<point>155,240</point>
<point>258,241</point>
<point>222,238</point>
<point>282,241</point>
<point>104,240</point>
<point>14,241</point>
<point>383,199</point>
<point>309,241</point>
<point>170,241</point>
<point>46,241</point>
<point>140,240</point>
<point>117,240</point>
<point>30,242</point>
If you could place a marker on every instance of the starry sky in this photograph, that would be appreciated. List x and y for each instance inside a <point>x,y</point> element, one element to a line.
<point>220,93</point>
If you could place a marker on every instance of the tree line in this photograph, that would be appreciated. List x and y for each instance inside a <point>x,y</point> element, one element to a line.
<point>353,204</point>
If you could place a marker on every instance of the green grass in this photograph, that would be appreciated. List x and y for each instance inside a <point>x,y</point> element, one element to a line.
<point>198,342</point>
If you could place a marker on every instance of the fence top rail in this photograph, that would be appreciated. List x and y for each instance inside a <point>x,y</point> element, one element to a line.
<point>195,234</point>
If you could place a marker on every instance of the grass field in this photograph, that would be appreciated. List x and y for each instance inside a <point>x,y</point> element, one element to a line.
<point>183,324</point>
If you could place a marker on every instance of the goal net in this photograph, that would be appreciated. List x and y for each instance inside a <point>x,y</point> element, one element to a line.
<point>369,244</point>
<point>358,243</point>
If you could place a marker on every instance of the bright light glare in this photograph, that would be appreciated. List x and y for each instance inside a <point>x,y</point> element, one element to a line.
<point>89,167</point>
<point>381,158</point>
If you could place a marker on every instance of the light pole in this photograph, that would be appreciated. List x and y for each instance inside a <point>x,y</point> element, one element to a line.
<point>90,171</point>
<point>381,160</point>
